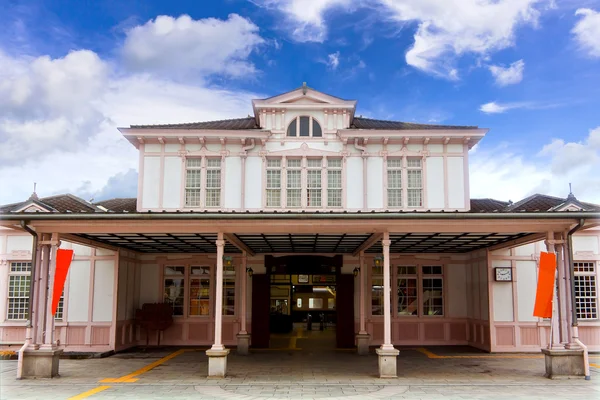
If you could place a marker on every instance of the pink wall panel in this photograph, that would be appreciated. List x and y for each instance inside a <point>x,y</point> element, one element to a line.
<point>589,335</point>
<point>199,332</point>
<point>407,331</point>
<point>100,335</point>
<point>530,336</point>
<point>434,331</point>
<point>458,331</point>
<point>174,333</point>
<point>228,331</point>
<point>505,336</point>
<point>76,335</point>
<point>377,331</point>
<point>13,334</point>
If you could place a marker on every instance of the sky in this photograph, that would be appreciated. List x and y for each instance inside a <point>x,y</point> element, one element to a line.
<point>71,72</point>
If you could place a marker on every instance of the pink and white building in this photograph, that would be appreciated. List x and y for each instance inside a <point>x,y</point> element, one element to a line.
<point>246,225</point>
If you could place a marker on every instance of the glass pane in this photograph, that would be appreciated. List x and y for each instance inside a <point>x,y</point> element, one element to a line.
<point>377,296</point>
<point>200,271</point>
<point>407,270</point>
<point>172,270</point>
<point>213,178</point>
<point>20,266</point>
<point>304,121</point>
<point>229,290</point>
<point>193,162</point>
<point>294,163</point>
<point>414,178</point>
<point>394,179</point>
<point>432,270</point>
<point>192,197</point>
<point>394,163</point>
<point>291,131</point>
<point>193,178</point>
<point>334,163</point>
<point>586,297</point>
<point>274,163</point>
<point>315,302</point>
<point>213,163</point>
<point>200,293</point>
<point>317,129</point>
<point>414,162</point>
<point>407,296</point>
<point>415,197</point>
<point>432,297</point>
<point>273,197</point>
<point>395,198</point>
<point>314,163</point>
<point>173,294</point>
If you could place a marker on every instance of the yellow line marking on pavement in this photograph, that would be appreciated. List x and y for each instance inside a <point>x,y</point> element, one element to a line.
<point>430,354</point>
<point>89,393</point>
<point>594,365</point>
<point>132,377</point>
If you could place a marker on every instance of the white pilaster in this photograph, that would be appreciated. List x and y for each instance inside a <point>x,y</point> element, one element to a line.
<point>49,328</point>
<point>217,355</point>
<point>387,353</point>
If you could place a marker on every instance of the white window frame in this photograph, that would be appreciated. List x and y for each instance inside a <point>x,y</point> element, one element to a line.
<point>270,187</point>
<point>405,187</point>
<point>589,279</point>
<point>187,188</point>
<point>315,169</point>
<point>311,121</point>
<point>213,166</point>
<point>337,189</point>
<point>203,189</point>
<point>22,297</point>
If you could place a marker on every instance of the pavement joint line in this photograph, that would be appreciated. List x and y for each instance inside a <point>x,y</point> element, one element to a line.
<point>89,393</point>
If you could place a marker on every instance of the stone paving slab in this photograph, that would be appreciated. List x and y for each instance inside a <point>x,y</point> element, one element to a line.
<point>300,375</point>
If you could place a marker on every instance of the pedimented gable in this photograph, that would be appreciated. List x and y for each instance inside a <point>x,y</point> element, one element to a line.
<point>303,95</point>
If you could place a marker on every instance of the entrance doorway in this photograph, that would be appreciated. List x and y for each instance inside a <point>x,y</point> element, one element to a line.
<point>303,295</point>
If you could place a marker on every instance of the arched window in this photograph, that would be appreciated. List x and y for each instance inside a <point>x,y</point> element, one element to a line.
<point>304,127</point>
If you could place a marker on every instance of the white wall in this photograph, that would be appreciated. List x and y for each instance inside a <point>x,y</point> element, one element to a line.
<point>150,184</point>
<point>79,289</point>
<point>104,282</point>
<point>526,288</point>
<point>233,179</point>
<point>253,195</point>
<point>456,183</point>
<point>374,182</point>
<point>354,183</point>
<point>172,182</point>
<point>435,182</point>
<point>19,243</point>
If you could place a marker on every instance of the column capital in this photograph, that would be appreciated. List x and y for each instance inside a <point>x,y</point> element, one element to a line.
<point>220,243</point>
<point>386,242</point>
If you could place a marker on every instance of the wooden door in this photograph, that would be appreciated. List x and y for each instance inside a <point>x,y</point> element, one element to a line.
<point>261,296</point>
<point>345,311</point>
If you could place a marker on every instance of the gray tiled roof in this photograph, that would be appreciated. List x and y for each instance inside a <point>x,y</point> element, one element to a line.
<point>379,124</point>
<point>225,124</point>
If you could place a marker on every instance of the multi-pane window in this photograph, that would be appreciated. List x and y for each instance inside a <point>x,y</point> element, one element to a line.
<point>402,194</point>
<point>414,176</point>
<point>174,289</point>
<point>394,182</point>
<point>377,289</point>
<point>273,182</point>
<point>199,290</point>
<point>334,182</point>
<point>432,290</point>
<point>313,184</point>
<point>19,279</point>
<point>228,288</point>
<point>304,126</point>
<point>213,182</point>
<point>294,183</point>
<point>407,290</point>
<point>586,290</point>
<point>193,181</point>
<point>60,308</point>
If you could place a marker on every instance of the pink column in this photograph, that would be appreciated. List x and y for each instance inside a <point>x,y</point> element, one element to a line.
<point>35,309</point>
<point>49,329</point>
<point>243,294</point>
<point>562,295</point>
<point>387,321</point>
<point>218,345</point>
<point>42,293</point>
<point>363,273</point>
<point>555,339</point>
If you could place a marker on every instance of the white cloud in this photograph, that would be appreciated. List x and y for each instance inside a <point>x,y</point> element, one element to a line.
<point>184,45</point>
<point>587,31</point>
<point>507,174</point>
<point>499,108</point>
<point>333,60</point>
<point>510,75</point>
<point>305,18</point>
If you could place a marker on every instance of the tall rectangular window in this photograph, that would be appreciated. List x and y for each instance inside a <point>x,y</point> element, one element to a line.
<point>313,184</point>
<point>19,279</point>
<point>174,289</point>
<point>414,175</point>
<point>273,182</point>
<point>213,182</point>
<point>199,290</point>
<point>407,290</point>
<point>193,181</point>
<point>432,290</point>
<point>294,183</point>
<point>394,182</point>
<point>586,290</point>
<point>334,182</point>
<point>228,289</point>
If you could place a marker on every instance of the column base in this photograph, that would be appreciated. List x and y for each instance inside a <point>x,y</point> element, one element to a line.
<point>40,363</point>
<point>243,343</point>
<point>217,363</point>
<point>387,362</point>
<point>362,344</point>
<point>563,364</point>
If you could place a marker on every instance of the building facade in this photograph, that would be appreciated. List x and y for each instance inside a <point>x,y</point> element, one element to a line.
<point>246,226</point>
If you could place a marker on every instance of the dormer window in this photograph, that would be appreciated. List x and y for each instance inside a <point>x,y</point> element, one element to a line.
<point>304,127</point>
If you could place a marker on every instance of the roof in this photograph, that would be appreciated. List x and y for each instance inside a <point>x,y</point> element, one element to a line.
<point>543,202</point>
<point>119,205</point>
<point>62,203</point>
<point>488,205</point>
<point>379,124</point>
<point>223,124</point>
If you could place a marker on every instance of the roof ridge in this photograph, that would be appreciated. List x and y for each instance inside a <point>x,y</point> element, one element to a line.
<point>195,122</point>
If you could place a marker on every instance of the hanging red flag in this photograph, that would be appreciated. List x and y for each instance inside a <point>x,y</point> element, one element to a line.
<point>545,287</point>
<point>63,262</point>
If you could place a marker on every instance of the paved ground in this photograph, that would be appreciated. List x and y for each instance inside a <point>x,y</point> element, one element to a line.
<point>303,370</point>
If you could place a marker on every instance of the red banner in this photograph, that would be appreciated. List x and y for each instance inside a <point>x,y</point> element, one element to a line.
<point>545,287</point>
<point>63,262</point>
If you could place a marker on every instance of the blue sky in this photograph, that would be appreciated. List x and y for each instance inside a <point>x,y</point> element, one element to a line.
<point>72,71</point>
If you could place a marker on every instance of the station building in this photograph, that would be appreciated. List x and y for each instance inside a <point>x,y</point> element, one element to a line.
<point>303,212</point>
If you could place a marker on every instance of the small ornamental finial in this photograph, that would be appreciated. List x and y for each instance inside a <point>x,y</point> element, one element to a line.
<point>34,195</point>
<point>571,196</point>
<point>304,88</point>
